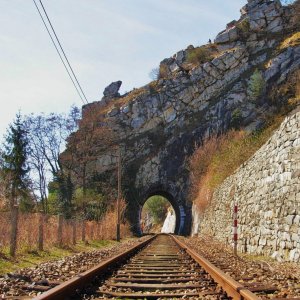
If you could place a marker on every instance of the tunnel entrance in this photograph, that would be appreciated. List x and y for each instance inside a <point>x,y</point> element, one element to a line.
<point>175,209</point>
<point>158,215</point>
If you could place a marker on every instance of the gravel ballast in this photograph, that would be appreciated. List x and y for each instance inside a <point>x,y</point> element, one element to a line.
<point>250,270</point>
<point>24,282</point>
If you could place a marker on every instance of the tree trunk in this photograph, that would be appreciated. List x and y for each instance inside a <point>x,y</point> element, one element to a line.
<point>14,230</point>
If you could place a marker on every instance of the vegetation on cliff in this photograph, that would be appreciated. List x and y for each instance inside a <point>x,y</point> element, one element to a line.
<point>219,156</point>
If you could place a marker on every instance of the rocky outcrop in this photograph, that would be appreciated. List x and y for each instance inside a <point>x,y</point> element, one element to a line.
<point>159,124</point>
<point>265,15</point>
<point>267,191</point>
<point>111,92</point>
<point>261,16</point>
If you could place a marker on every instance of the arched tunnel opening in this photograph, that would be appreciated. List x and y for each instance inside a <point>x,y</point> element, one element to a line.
<point>173,206</point>
<point>158,215</point>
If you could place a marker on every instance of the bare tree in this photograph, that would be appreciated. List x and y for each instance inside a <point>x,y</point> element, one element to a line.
<point>83,147</point>
<point>47,138</point>
<point>86,144</point>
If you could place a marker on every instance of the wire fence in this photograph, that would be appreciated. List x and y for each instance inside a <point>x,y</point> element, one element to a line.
<point>36,231</point>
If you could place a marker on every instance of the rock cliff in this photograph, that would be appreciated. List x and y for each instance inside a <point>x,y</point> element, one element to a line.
<point>159,124</point>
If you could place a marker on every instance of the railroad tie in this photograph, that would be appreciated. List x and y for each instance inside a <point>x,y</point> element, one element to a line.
<point>161,269</point>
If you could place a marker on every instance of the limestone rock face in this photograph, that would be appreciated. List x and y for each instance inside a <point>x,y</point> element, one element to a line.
<point>265,15</point>
<point>159,124</point>
<point>257,17</point>
<point>227,36</point>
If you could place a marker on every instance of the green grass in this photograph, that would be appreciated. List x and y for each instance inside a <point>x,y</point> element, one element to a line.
<point>33,258</point>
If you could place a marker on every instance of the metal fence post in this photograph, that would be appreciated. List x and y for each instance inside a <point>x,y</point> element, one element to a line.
<point>235,224</point>
<point>41,232</point>
<point>60,231</point>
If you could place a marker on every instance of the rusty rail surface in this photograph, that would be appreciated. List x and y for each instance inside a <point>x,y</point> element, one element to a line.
<point>137,280</point>
<point>69,287</point>
<point>233,288</point>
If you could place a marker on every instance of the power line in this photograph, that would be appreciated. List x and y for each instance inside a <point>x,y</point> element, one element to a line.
<point>63,50</point>
<point>84,100</point>
<point>58,51</point>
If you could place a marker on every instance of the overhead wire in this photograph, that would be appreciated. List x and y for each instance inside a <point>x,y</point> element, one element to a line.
<point>83,98</point>
<point>63,50</point>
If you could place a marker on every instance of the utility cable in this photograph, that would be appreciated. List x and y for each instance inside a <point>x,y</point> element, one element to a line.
<point>63,51</point>
<point>57,50</point>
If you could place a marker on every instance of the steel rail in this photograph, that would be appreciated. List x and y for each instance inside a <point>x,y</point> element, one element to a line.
<point>233,288</point>
<point>69,287</point>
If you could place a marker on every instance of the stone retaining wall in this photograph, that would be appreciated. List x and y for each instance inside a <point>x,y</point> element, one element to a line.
<point>267,190</point>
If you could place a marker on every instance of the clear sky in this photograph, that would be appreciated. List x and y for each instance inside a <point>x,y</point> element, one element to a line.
<point>105,40</point>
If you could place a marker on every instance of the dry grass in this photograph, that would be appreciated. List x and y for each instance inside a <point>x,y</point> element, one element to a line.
<point>119,102</point>
<point>294,87</point>
<point>219,157</point>
<point>28,230</point>
<point>204,166</point>
<point>288,92</point>
<point>291,41</point>
<point>163,71</point>
<point>200,55</point>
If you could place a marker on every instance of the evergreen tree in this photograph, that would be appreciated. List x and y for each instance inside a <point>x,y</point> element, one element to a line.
<point>15,173</point>
<point>256,85</point>
<point>14,158</point>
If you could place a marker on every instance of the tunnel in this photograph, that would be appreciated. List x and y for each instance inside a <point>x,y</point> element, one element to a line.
<point>135,210</point>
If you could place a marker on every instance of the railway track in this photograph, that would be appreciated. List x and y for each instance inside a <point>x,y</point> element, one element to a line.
<point>161,267</point>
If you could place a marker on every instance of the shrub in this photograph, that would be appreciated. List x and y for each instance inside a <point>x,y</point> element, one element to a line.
<point>287,94</point>
<point>153,87</point>
<point>236,119</point>
<point>244,26</point>
<point>256,86</point>
<point>198,55</point>
<point>163,71</point>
